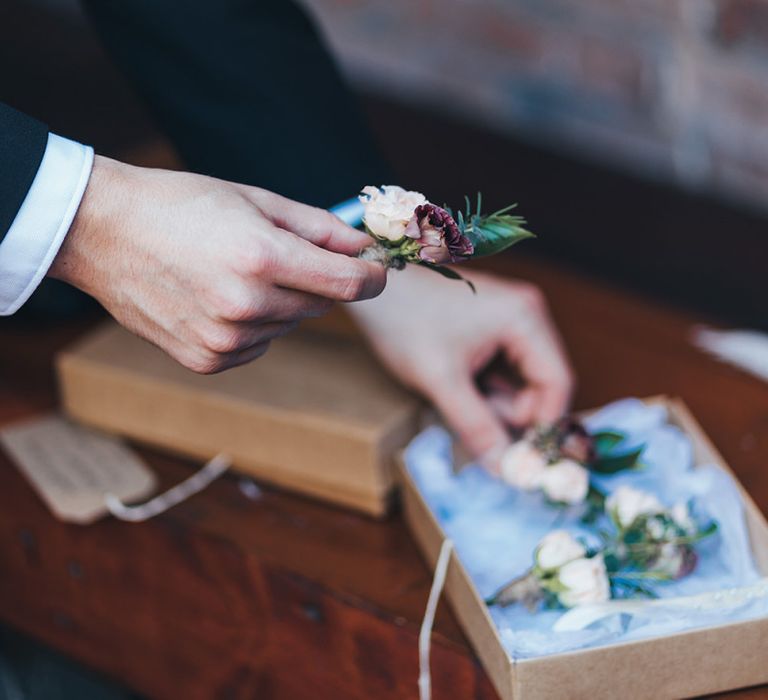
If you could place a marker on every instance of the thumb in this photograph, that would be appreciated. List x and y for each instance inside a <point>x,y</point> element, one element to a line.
<point>468,413</point>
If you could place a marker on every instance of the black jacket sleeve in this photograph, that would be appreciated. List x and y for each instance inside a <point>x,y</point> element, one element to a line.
<point>22,145</point>
<point>246,91</point>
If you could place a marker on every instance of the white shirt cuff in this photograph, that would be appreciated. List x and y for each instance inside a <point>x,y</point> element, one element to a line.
<point>37,232</point>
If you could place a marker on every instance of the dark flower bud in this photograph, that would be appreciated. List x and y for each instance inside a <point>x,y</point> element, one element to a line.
<point>575,442</point>
<point>439,235</point>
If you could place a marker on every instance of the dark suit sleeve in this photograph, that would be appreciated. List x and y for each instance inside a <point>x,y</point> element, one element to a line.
<point>22,145</point>
<point>246,91</point>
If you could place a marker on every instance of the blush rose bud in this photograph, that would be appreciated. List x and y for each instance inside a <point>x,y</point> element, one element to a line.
<point>565,481</point>
<point>626,504</point>
<point>584,581</point>
<point>389,210</point>
<point>523,466</point>
<point>556,549</point>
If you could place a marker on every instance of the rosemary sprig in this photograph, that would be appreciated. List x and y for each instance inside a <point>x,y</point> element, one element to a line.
<point>492,233</point>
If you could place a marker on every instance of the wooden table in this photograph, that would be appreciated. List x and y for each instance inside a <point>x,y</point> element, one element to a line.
<point>281,597</point>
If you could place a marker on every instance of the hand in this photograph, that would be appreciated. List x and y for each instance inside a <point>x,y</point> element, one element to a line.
<point>437,337</point>
<point>208,270</point>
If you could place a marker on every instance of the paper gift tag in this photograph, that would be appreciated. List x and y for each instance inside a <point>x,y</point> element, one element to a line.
<point>72,468</point>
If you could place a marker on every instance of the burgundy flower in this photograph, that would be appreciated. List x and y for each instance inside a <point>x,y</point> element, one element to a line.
<point>439,235</point>
<point>688,564</point>
<point>675,560</point>
<point>575,442</point>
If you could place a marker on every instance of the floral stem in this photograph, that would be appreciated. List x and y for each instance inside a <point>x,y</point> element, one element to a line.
<point>525,589</point>
<point>381,254</point>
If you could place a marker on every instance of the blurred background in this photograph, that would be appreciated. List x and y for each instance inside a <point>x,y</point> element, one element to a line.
<point>633,133</point>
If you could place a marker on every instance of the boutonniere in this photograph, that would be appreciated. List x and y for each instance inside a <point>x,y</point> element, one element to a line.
<point>645,544</point>
<point>407,228</point>
<point>560,459</point>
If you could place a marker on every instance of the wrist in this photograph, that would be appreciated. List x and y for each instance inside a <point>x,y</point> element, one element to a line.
<point>86,236</point>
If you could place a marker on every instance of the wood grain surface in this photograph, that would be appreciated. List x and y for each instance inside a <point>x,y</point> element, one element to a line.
<point>280,597</point>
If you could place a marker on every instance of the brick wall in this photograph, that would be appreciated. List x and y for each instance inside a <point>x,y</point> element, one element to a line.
<point>677,88</point>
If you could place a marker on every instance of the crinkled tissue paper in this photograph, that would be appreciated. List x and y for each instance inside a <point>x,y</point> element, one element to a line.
<point>495,529</point>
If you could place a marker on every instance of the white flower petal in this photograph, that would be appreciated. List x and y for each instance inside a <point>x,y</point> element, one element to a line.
<point>558,548</point>
<point>522,466</point>
<point>389,209</point>
<point>566,481</point>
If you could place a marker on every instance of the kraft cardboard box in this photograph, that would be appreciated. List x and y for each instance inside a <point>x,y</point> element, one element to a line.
<point>687,664</point>
<point>316,414</point>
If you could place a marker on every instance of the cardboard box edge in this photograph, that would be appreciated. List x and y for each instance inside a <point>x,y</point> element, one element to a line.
<point>525,676</point>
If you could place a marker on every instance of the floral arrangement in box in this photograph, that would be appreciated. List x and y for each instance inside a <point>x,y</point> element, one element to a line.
<point>669,548</point>
<point>561,458</point>
<point>645,542</point>
<point>407,228</point>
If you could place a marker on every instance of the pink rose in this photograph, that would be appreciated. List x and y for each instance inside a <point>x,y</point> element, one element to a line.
<point>522,466</point>
<point>584,581</point>
<point>627,504</point>
<point>389,209</point>
<point>439,235</point>
<point>565,481</point>
<point>556,549</point>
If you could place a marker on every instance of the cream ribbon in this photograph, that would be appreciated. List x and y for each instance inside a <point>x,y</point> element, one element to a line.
<point>425,634</point>
<point>584,615</point>
<point>179,493</point>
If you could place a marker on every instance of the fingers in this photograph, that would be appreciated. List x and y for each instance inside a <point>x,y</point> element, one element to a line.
<point>222,339</point>
<point>537,350</point>
<point>249,335</point>
<point>219,345</point>
<point>244,356</point>
<point>305,267</point>
<point>315,225</point>
<point>288,305</point>
<point>472,418</point>
<point>516,407</point>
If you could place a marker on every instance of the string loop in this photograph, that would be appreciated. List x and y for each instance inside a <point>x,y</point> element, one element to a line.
<point>179,493</point>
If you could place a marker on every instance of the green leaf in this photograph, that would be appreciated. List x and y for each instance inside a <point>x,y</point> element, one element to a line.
<point>448,272</point>
<point>612,562</point>
<point>610,464</point>
<point>495,233</point>
<point>606,440</point>
<point>708,530</point>
<point>595,502</point>
<point>633,588</point>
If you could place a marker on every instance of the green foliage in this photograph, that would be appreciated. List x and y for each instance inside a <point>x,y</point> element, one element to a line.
<point>595,505</point>
<point>624,587</point>
<point>607,460</point>
<point>606,440</point>
<point>610,464</point>
<point>493,233</point>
